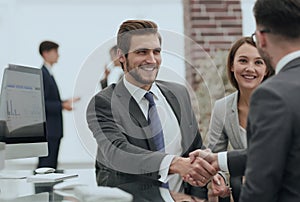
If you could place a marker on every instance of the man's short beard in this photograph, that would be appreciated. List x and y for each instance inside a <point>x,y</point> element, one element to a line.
<point>134,73</point>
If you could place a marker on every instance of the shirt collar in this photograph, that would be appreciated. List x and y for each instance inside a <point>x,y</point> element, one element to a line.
<point>286,59</point>
<point>138,93</point>
<point>48,67</point>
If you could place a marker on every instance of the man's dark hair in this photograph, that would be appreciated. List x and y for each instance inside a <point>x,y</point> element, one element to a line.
<point>47,46</point>
<point>280,17</point>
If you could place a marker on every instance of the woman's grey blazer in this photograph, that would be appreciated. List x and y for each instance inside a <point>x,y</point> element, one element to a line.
<point>224,125</point>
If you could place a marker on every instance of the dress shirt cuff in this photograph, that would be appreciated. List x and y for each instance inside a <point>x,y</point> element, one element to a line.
<point>222,161</point>
<point>164,168</point>
<point>165,194</point>
<point>223,175</point>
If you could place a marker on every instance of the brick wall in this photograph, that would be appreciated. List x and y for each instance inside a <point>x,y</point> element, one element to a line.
<point>211,26</point>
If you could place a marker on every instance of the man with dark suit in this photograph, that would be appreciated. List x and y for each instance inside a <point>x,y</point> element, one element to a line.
<point>120,118</point>
<point>273,156</point>
<point>53,104</point>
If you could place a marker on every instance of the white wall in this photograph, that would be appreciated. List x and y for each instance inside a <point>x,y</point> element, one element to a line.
<point>85,31</point>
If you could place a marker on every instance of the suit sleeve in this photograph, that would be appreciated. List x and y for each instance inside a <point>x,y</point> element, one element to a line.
<point>217,139</point>
<point>117,152</point>
<point>103,83</point>
<point>236,161</point>
<point>269,134</point>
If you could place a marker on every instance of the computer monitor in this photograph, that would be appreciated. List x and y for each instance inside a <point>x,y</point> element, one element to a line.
<point>22,113</point>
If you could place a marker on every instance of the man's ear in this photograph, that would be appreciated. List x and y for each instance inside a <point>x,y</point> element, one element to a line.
<point>121,56</point>
<point>45,54</point>
<point>262,41</point>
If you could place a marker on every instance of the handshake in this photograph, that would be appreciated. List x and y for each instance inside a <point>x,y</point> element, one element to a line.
<point>199,169</point>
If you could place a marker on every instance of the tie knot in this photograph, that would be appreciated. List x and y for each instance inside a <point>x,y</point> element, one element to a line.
<point>149,97</point>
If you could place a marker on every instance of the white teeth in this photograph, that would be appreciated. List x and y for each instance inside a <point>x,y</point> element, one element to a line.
<point>249,77</point>
<point>148,68</point>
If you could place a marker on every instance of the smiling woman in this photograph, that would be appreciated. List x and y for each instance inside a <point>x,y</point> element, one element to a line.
<point>246,70</point>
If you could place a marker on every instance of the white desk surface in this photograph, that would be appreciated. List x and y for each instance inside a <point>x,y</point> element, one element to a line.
<point>15,190</point>
<point>19,190</point>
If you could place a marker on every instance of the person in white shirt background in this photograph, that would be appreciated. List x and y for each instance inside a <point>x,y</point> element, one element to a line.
<point>114,72</point>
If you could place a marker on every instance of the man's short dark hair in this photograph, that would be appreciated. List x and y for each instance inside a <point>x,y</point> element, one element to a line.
<point>280,17</point>
<point>47,46</point>
<point>134,27</point>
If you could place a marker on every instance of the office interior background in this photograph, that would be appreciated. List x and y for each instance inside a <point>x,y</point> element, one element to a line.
<point>85,31</point>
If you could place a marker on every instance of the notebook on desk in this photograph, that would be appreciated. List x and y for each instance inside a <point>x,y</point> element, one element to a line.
<point>50,177</point>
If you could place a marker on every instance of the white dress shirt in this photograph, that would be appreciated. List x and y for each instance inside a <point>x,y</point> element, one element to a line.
<point>171,130</point>
<point>115,74</point>
<point>49,68</point>
<point>286,59</point>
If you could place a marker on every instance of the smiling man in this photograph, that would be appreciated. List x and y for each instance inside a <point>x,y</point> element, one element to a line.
<point>145,128</point>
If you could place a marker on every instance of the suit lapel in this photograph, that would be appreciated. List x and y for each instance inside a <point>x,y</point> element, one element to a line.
<point>234,122</point>
<point>51,79</point>
<point>136,115</point>
<point>172,100</point>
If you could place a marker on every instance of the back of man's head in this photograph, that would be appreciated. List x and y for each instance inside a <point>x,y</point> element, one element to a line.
<point>134,27</point>
<point>47,46</point>
<point>114,56</point>
<point>113,52</point>
<point>281,17</point>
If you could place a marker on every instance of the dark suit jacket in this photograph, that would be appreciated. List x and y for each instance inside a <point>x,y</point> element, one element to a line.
<point>53,106</point>
<point>126,151</point>
<point>273,129</point>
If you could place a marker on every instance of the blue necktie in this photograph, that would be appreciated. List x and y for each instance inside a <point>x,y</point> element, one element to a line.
<point>155,126</point>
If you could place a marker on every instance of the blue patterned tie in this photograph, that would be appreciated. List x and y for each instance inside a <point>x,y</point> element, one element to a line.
<point>155,126</point>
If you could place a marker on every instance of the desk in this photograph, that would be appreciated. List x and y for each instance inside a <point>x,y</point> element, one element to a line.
<point>12,189</point>
<point>19,190</point>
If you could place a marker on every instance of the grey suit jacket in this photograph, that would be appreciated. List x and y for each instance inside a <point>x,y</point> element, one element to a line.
<point>224,125</point>
<point>273,129</point>
<point>126,151</point>
<point>224,129</point>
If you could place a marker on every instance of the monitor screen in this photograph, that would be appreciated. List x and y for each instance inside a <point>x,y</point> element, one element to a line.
<point>22,112</point>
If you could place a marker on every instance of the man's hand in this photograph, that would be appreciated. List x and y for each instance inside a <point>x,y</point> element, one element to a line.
<point>200,169</point>
<point>206,155</point>
<point>68,104</point>
<point>217,187</point>
<point>195,177</point>
<point>106,72</point>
